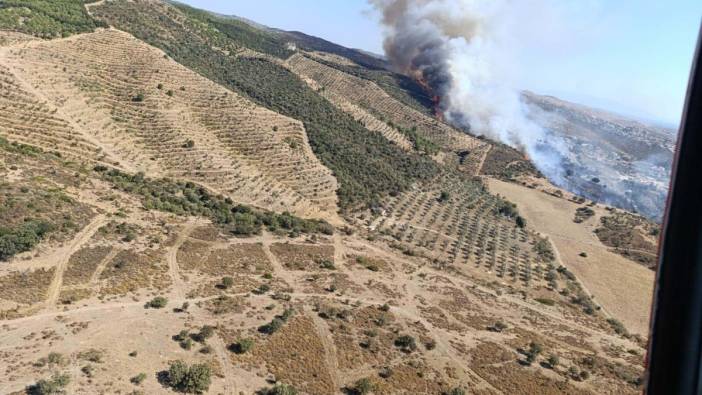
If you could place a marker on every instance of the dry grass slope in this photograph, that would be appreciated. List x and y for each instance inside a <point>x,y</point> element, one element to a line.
<point>159,117</point>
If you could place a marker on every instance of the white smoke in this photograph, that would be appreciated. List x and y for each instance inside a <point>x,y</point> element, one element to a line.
<point>465,52</point>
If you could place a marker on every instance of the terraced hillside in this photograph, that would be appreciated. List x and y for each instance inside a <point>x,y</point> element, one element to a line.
<point>458,223</point>
<point>114,304</point>
<point>366,165</point>
<point>373,106</point>
<point>190,205</point>
<point>26,118</point>
<point>156,116</point>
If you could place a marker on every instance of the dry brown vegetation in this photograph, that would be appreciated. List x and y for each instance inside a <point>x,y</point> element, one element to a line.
<point>303,257</point>
<point>129,271</point>
<point>26,287</point>
<point>92,84</point>
<point>83,264</point>
<point>434,288</point>
<point>631,236</point>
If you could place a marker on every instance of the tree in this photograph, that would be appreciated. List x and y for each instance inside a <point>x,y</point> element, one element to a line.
<point>177,372</point>
<point>521,222</point>
<point>444,196</point>
<point>198,379</point>
<point>194,379</point>
<point>138,98</point>
<point>553,361</point>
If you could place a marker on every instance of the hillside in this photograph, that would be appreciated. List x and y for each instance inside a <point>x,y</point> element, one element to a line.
<point>611,158</point>
<point>190,203</point>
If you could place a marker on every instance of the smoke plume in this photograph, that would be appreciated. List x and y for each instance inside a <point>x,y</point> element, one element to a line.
<point>461,51</point>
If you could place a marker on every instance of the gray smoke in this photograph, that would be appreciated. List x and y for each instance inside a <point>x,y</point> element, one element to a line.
<point>457,48</point>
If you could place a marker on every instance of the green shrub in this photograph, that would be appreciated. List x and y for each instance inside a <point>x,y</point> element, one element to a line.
<point>188,198</point>
<point>158,302</point>
<point>55,358</point>
<point>193,379</point>
<point>138,379</point>
<point>227,282</point>
<point>240,32</point>
<point>499,326</point>
<point>46,18</point>
<point>54,385</point>
<point>277,322</point>
<point>242,346</point>
<point>22,238</point>
<point>327,264</point>
<point>618,326</point>
<point>187,344</point>
<point>546,301</point>
<point>406,343</point>
<point>362,386</point>
<point>506,208</point>
<point>543,250</point>
<point>182,335</point>
<point>272,326</point>
<point>262,289</point>
<point>92,355</point>
<point>279,389</point>
<point>533,351</point>
<point>205,333</point>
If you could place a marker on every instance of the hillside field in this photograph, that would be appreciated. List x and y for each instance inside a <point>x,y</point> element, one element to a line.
<point>191,204</point>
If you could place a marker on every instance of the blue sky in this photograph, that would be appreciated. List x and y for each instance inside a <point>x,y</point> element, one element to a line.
<point>627,56</point>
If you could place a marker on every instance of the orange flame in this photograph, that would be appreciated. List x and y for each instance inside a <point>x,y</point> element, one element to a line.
<point>435,99</point>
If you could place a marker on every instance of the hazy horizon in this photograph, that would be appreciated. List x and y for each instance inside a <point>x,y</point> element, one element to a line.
<point>604,55</point>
